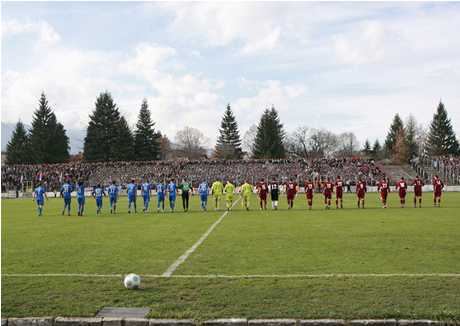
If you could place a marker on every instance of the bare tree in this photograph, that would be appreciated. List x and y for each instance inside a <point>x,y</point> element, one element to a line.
<point>322,143</point>
<point>191,143</point>
<point>296,143</point>
<point>347,145</point>
<point>249,140</point>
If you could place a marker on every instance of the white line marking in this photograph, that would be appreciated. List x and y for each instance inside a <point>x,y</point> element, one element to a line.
<point>182,258</point>
<point>241,276</point>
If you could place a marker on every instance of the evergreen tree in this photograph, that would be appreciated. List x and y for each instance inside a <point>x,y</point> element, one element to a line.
<point>441,137</point>
<point>392,136</point>
<point>228,144</point>
<point>367,150</point>
<point>48,140</point>
<point>124,143</point>
<point>270,135</point>
<point>146,140</point>
<point>376,148</point>
<point>18,148</point>
<point>101,134</point>
<point>412,146</point>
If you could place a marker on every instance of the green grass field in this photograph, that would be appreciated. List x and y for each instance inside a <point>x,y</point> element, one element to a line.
<point>346,263</point>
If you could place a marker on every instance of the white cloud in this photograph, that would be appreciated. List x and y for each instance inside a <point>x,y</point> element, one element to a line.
<point>371,44</point>
<point>44,33</point>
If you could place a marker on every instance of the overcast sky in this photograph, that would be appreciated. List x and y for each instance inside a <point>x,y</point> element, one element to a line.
<point>345,66</point>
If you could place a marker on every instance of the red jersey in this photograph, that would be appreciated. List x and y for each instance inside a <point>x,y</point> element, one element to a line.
<point>327,187</point>
<point>339,185</point>
<point>309,188</point>
<point>291,188</point>
<point>263,189</point>
<point>438,185</point>
<point>418,184</point>
<point>383,187</point>
<point>402,186</point>
<point>360,187</point>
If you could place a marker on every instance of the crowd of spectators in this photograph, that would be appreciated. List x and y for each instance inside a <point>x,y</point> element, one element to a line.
<point>54,175</point>
<point>449,166</point>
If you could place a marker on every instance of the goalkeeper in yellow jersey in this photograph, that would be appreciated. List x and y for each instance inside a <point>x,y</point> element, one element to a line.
<point>246,189</point>
<point>217,188</point>
<point>229,189</point>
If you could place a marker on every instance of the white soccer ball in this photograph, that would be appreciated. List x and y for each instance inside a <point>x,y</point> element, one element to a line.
<point>132,282</point>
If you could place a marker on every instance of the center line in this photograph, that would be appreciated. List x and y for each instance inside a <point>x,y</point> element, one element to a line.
<point>182,258</point>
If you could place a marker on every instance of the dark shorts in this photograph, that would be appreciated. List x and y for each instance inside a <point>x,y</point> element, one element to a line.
<point>274,196</point>
<point>290,196</point>
<point>361,195</point>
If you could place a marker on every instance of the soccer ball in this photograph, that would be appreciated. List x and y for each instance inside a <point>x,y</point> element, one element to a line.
<point>132,281</point>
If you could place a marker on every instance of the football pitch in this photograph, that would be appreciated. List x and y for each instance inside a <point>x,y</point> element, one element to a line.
<point>339,263</point>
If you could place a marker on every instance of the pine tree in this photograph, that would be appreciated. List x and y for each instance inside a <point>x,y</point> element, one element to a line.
<point>412,146</point>
<point>441,137</point>
<point>48,140</point>
<point>367,150</point>
<point>228,144</point>
<point>270,136</point>
<point>392,136</point>
<point>18,148</point>
<point>101,134</point>
<point>124,143</point>
<point>146,140</point>
<point>376,148</point>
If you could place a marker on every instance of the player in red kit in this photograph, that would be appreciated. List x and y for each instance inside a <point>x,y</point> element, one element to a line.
<point>309,191</point>
<point>360,191</point>
<point>437,190</point>
<point>327,193</point>
<point>384,191</point>
<point>418,184</point>
<point>291,191</point>
<point>402,186</point>
<point>263,189</point>
<point>339,187</point>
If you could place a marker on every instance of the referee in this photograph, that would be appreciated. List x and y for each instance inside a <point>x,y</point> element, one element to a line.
<point>185,187</point>
<point>274,193</point>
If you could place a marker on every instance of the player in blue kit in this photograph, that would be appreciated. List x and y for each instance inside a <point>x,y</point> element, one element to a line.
<point>132,196</point>
<point>97,194</point>
<point>146,195</point>
<point>113,196</point>
<point>66,191</point>
<point>172,191</point>
<point>160,189</point>
<point>38,194</point>
<point>204,194</point>
<point>81,185</point>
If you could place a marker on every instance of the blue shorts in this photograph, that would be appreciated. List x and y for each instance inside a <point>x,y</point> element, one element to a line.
<point>146,198</point>
<point>40,202</point>
<point>131,198</point>
<point>161,198</point>
<point>67,200</point>
<point>172,198</point>
<point>99,202</point>
<point>204,197</point>
<point>113,199</point>
<point>81,200</point>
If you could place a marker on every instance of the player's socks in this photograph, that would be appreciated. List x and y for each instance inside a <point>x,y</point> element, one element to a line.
<point>129,207</point>
<point>135,208</point>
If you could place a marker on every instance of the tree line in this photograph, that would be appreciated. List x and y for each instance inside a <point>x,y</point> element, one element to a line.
<point>110,138</point>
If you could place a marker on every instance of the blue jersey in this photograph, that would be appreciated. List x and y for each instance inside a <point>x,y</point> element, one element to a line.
<point>204,188</point>
<point>160,189</point>
<point>66,189</point>
<point>146,188</point>
<point>132,189</point>
<point>81,190</point>
<point>113,191</point>
<point>98,192</point>
<point>39,192</point>
<point>172,189</point>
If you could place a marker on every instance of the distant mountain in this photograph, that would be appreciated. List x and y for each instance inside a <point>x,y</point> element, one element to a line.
<point>76,137</point>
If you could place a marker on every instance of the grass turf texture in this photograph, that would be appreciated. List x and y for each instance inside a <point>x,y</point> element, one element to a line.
<point>348,241</point>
